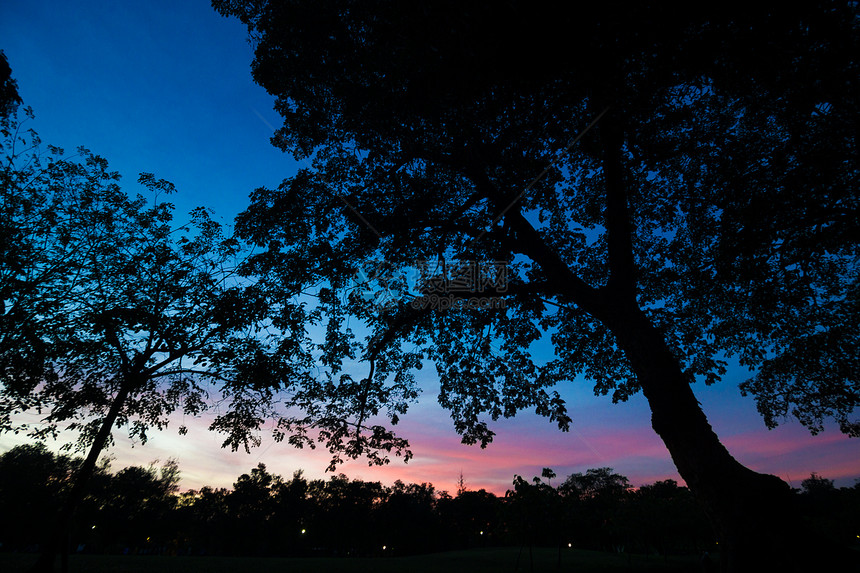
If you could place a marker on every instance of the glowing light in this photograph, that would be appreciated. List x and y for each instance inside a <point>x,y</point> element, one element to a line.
<point>95,527</point>
<point>384,547</point>
<point>482,533</point>
<point>303,531</point>
<point>570,544</point>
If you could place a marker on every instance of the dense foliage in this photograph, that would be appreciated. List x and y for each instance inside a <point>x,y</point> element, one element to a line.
<point>692,169</point>
<point>139,510</point>
<point>113,315</point>
<point>113,311</point>
<point>667,188</point>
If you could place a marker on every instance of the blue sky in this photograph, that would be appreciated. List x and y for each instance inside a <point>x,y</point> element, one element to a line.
<point>165,87</point>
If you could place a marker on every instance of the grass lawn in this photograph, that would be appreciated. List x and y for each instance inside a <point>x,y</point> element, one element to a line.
<point>500,560</point>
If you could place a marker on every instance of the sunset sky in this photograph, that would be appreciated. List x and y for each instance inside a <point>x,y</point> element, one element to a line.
<point>165,87</point>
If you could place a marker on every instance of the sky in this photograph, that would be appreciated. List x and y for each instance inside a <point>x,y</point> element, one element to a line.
<point>165,87</point>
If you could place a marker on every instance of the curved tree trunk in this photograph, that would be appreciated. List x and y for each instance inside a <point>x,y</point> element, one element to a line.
<point>57,541</point>
<point>753,514</point>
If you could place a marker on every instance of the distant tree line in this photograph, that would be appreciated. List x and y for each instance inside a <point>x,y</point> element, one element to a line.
<point>139,510</point>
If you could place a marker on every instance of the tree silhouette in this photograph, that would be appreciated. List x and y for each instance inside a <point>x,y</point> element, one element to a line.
<point>595,500</point>
<point>136,506</point>
<point>535,508</point>
<point>654,189</point>
<point>293,511</point>
<point>664,518</point>
<point>252,507</point>
<point>817,485</point>
<point>32,483</point>
<point>114,316</point>
<point>407,519</point>
<point>206,521</point>
<point>344,516</point>
<point>594,483</point>
<point>822,505</point>
<point>137,510</point>
<point>473,518</point>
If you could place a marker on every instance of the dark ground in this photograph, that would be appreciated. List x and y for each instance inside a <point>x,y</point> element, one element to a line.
<point>474,561</point>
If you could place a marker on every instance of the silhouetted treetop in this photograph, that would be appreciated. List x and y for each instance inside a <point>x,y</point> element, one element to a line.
<point>594,483</point>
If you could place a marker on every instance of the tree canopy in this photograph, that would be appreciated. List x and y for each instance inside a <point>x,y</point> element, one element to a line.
<point>115,316</point>
<point>105,297</point>
<point>443,134</point>
<point>666,187</point>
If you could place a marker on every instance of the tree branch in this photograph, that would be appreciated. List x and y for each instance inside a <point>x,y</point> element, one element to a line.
<point>622,273</point>
<point>565,281</point>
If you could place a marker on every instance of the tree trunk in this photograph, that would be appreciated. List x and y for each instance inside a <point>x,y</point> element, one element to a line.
<point>58,534</point>
<point>753,514</point>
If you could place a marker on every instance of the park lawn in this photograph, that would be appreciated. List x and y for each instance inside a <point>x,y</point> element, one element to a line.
<point>500,560</point>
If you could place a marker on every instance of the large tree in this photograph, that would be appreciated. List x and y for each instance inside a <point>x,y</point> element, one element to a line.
<point>667,188</point>
<point>114,316</point>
